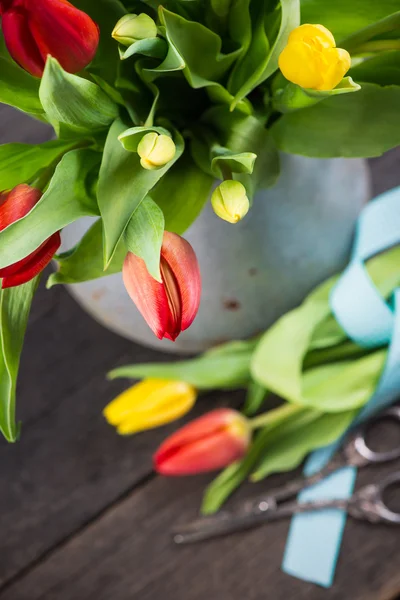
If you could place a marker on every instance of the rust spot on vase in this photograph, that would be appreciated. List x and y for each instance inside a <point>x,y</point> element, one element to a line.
<point>231,304</point>
<point>97,295</point>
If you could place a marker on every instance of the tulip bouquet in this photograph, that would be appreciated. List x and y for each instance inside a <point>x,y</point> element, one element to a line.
<point>305,358</point>
<point>151,102</point>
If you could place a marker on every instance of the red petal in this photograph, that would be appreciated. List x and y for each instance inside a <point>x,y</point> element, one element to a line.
<point>205,444</point>
<point>20,42</point>
<point>34,29</point>
<point>182,261</point>
<point>17,203</point>
<point>209,454</point>
<point>27,268</point>
<point>147,293</point>
<point>65,32</point>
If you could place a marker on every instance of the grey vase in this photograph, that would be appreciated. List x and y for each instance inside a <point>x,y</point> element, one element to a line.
<point>297,233</point>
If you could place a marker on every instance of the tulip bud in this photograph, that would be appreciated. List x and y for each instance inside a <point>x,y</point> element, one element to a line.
<point>149,404</point>
<point>34,29</point>
<point>131,28</point>
<point>155,150</point>
<point>211,442</point>
<point>230,202</point>
<point>311,59</point>
<point>13,206</point>
<point>171,306</point>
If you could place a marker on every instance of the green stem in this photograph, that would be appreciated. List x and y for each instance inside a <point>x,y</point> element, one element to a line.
<point>275,417</point>
<point>377,46</point>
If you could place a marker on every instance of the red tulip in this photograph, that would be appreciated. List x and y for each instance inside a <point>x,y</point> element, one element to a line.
<point>171,306</point>
<point>35,28</point>
<point>13,206</point>
<point>211,442</point>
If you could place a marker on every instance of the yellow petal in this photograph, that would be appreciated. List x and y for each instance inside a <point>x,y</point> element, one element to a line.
<point>150,403</point>
<point>313,34</point>
<point>301,64</point>
<point>338,63</point>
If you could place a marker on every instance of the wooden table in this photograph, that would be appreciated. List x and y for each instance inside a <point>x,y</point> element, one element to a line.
<point>82,515</point>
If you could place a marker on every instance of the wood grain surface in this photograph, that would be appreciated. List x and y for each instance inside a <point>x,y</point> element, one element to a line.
<point>82,516</point>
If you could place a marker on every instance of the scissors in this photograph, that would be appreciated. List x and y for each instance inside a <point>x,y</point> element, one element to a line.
<point>366,504</point>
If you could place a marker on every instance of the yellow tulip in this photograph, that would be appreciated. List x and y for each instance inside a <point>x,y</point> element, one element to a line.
<point>155,150</point>
<point>311,59</point>
<point>230,202</point>
<point>149,404</point>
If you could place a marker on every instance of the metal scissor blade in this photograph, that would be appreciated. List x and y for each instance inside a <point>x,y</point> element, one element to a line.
<point>221,524</point>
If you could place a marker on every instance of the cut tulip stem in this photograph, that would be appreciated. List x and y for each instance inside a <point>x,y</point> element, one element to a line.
<point>275,417</point>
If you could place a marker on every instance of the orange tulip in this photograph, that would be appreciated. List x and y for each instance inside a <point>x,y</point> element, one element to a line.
<point>171,306</point>
<point>210,442</point>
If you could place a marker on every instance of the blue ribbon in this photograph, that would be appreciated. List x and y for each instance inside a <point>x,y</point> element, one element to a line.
<point>314,540</point>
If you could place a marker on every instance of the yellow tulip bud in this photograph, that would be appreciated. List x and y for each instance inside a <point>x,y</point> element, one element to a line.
<point>230,202</point>
<point>311,59</point>
<point>155,150</point>
<point>131,28</point>
<point>149,404</point>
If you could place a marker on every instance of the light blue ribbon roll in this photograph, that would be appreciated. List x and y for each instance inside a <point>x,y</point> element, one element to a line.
<point>314,540</point>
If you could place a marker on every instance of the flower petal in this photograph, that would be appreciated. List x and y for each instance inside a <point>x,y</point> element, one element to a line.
<point>65,32</point>
<point>27,268</point>
<point>207,443</point>
<point>182,261</point>
<point>17,203</point>
<point>20,42</point>
<point>147,293</point>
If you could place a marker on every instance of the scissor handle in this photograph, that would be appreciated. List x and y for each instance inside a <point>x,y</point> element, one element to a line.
<point>369,502</point>
<point>360,443</point>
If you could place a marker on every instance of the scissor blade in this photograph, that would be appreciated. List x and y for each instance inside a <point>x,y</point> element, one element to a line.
<point>221,524</point>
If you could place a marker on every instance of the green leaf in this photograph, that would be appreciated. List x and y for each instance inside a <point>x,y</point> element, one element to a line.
<point>278,360</point>
<point>15,304</point>
<point>291,97</point>
<point>292,441</point>
<point>153,47</point>
<point>389,24</point>
<point>144,235</point>
<point>130,138</point>
<point>67,198</point>
<point>261,61</point>
<point>247,69</point>
<point>224,160</point>
<point>383,69</point>
<point>105,13</point>
<point>245,133</point>
<point>199,47</point>
<point>182,194</point>
<point>344,18</point>
<point>74,101</point>
<point>337,126</point>
<point>85,261</point>
<point>255,397</point>
<point>343,385</point>
<point>123,184</point>
<point>222,368</point>
<point>20,163</point>
<point>17,87</point>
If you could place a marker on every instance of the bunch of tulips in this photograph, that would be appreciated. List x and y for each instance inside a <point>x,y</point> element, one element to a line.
<point>151,103</point>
